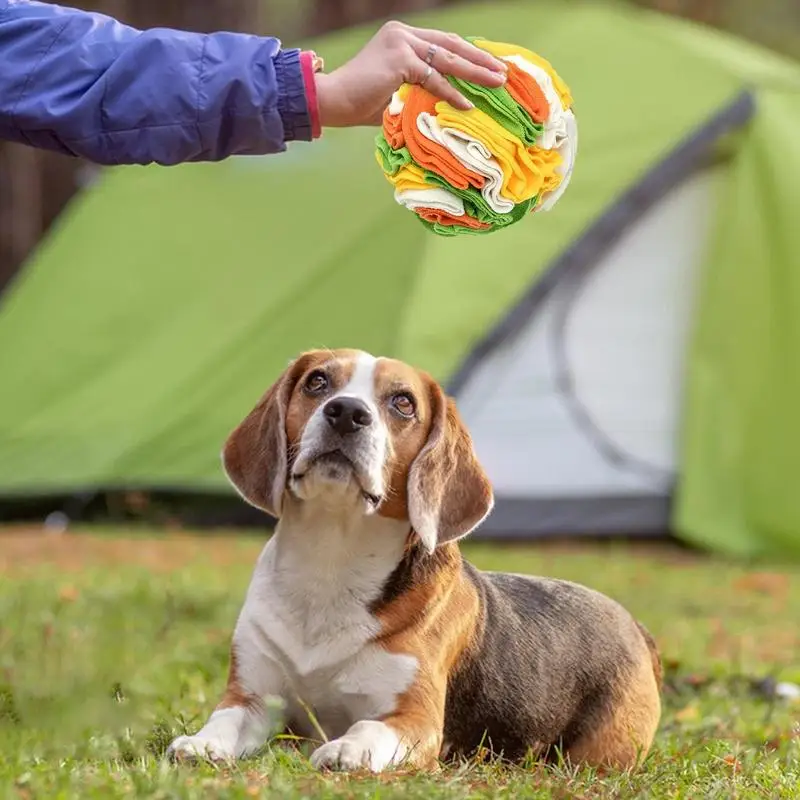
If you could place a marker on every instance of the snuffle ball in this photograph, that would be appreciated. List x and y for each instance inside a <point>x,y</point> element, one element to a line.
<point>477,171</point>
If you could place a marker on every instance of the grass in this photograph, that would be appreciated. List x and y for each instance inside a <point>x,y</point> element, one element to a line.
<point>110,646</point>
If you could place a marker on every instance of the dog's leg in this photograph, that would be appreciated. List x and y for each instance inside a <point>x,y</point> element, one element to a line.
<point>411,735</point>
<point>241,723</point>
<point>625,736</point>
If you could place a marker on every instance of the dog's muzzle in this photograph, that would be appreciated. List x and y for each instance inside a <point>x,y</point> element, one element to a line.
<point>347,415</point>
<point>347,423</point>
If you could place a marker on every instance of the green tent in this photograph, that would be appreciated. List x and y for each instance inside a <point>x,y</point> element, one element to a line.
<point>628,363</point>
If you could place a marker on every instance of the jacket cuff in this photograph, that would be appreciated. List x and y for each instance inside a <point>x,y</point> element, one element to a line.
<point>311,63</point>
<point>292,100</point>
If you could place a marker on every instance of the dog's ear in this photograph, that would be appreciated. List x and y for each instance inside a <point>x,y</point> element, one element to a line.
<point>255,455</point>
<point>449,494</point>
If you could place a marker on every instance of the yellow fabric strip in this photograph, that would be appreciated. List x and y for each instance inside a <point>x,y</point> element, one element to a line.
<point>547,162</point>
<point>526,172</point>
<point>409,177</point>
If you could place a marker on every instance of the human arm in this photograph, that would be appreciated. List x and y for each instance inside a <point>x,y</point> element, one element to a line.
<point>84,84</point>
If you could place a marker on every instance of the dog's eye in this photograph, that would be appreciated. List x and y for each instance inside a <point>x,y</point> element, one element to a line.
<point>404,404</point>
<point>316,382</point>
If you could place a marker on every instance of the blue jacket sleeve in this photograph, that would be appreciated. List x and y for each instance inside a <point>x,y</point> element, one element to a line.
<point>84,84</point>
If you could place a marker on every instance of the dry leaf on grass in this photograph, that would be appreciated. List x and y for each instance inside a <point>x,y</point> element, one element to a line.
<point>688,713</point>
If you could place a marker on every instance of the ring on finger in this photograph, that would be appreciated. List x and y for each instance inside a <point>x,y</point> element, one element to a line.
<point>428,73</point>
<point>431,54</point>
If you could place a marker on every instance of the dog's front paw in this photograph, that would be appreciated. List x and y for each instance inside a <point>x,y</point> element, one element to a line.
<point>369,744</point>
<point>191,748</point>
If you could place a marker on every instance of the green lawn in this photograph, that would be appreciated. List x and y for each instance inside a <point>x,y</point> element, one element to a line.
<point>111,645</point>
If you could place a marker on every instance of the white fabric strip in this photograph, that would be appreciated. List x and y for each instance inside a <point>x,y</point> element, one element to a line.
<point>440,199</point>
<point>560,130</point>
<point>397,104</point>
<point>471,154</point>
<point>568,147</point>
<point>555,129</point>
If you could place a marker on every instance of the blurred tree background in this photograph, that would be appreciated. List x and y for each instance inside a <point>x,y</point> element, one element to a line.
<point>35,186</point>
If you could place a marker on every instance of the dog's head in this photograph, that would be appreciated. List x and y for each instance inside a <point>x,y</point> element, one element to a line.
<point>344,427</point>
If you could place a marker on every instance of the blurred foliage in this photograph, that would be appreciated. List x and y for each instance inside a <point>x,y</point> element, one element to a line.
<point>772,23</point>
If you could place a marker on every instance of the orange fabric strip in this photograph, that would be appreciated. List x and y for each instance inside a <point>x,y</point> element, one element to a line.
<point>527,93</point>
<point>427,153</point>
<point>443,218</point>
<point>393,129</point>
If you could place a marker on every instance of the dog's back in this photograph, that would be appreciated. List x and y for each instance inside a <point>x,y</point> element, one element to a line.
<point>553,665</point>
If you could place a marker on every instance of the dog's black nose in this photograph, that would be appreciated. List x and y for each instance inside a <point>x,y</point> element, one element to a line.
<point>347,415</point>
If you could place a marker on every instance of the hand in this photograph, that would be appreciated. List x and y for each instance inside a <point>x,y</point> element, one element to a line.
<point>359,91</point>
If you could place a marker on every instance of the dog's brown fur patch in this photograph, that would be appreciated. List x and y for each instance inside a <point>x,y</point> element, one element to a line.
<point>339,367</point>
<point>258,454</point>
<point>432,620</point>
<point>447,477</point>
<point>406,436</point>
<point>655,656</point>
<point>235,695</point>
<point>625,737</point>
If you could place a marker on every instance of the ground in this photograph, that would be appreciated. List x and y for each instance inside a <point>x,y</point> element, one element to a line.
<point>112,642</point>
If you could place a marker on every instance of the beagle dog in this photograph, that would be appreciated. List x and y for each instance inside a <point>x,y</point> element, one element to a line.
<point>365,623</point>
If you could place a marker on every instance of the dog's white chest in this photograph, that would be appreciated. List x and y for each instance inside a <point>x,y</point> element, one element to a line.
<point>365,686</point>
<point>315,626</point>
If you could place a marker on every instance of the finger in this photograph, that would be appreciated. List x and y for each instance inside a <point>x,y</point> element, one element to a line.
<point>450,63</point>
<point>439,86</point>
<point>460,47</point>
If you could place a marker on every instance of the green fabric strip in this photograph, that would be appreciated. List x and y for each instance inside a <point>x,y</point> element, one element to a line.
<point>476,206</point>
<point>502,108</point>
<point>452,230</point>
<point>393,160</point>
